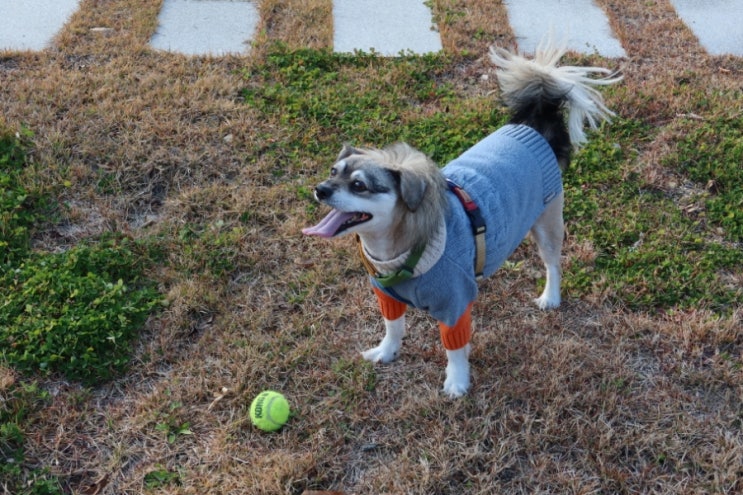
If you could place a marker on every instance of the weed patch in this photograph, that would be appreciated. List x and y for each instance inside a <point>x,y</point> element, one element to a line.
<point>171,426</point>
<point>211,249</point>
<point>75,312</point>
<point>333,98</point>
<point>161,478</point>
<point>19,207</point>
<point>649,255</point>
<point>18,402</point>
<point>711,155</point>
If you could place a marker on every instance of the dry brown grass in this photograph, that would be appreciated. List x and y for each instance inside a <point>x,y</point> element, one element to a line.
<point>663,54</point>
<point>298,23</point>
<point>472,26</point>
<point>588,399</point>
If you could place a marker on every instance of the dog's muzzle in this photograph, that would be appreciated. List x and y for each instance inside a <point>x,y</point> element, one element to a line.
<point>323,191</point>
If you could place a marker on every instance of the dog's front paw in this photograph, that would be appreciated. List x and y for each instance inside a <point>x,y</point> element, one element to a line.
<point>456,387</point>
<point>383,353</point>
<point>457,372</point>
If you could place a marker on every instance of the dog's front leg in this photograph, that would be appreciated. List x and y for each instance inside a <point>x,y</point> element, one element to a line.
<point>456,342</point>
<point>457,372</point>
<point>389,347</point>
<point>393,312</point>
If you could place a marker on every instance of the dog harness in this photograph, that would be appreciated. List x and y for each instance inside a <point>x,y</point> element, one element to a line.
<point>510,176</point>
<point>478,225</point>
<point>408,268</point>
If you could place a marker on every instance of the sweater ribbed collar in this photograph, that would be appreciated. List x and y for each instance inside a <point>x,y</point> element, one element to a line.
<point>432,254</point>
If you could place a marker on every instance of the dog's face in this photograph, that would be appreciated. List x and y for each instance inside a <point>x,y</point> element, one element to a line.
<point>366,196</point>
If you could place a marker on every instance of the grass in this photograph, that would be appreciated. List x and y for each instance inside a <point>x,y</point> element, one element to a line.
<point>20,208</point>
<point>710,155</point>
<point>320,91</point>
<point>649,254</point>
<point>194,176</point>
<point>73,313</point>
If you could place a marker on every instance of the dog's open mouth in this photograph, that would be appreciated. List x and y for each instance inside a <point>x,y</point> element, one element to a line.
<point>336,222</point>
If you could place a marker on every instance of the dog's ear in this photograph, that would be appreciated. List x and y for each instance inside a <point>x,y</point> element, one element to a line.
<point>347,151</point>
<point>412,188</point>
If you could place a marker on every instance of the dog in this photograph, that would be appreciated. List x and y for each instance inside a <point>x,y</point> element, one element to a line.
<point>427,235</point>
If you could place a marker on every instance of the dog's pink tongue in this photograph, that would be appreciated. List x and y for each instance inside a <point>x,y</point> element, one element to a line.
<point>329,225</point>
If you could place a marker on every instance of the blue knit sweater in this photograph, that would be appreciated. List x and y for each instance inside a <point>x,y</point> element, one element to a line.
<point>511,175</point>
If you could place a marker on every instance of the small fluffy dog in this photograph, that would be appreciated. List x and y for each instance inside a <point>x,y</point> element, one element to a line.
<point>426,235</point>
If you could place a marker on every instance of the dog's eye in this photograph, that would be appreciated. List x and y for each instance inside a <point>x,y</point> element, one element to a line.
<point>358,186</point>
<point>333,172</point>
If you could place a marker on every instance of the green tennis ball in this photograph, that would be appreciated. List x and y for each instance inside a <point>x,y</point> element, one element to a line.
<point>269,411</point>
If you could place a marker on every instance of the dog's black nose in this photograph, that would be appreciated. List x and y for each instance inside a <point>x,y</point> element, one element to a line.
<point>323,191</point>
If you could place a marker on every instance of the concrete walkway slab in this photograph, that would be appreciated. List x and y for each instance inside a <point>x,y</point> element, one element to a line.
<point>32,24</point>
<point>387,26</point>
<point>717,23</point>
<point>585,25</point>
<point>199,27</point>
<point>205,27</point>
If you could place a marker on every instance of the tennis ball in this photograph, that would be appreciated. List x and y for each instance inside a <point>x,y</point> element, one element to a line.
<point>269,410</point>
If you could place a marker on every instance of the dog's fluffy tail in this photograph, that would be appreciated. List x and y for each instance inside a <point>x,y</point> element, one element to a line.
<point>537,90</point>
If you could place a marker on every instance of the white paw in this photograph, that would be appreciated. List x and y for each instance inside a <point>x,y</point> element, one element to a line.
<point>546,302</point>
<point>383,353</point>
<point>456,387</point>
<point>457,372</point>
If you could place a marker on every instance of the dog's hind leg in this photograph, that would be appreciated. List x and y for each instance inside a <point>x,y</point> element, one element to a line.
<point>548,232</point>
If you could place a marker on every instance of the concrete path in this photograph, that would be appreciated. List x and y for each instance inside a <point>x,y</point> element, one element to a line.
<point>31,24</point>
<point>718,24</point>
<point>583,23</point>
<point>386,26</point>
<point>199,27</point>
